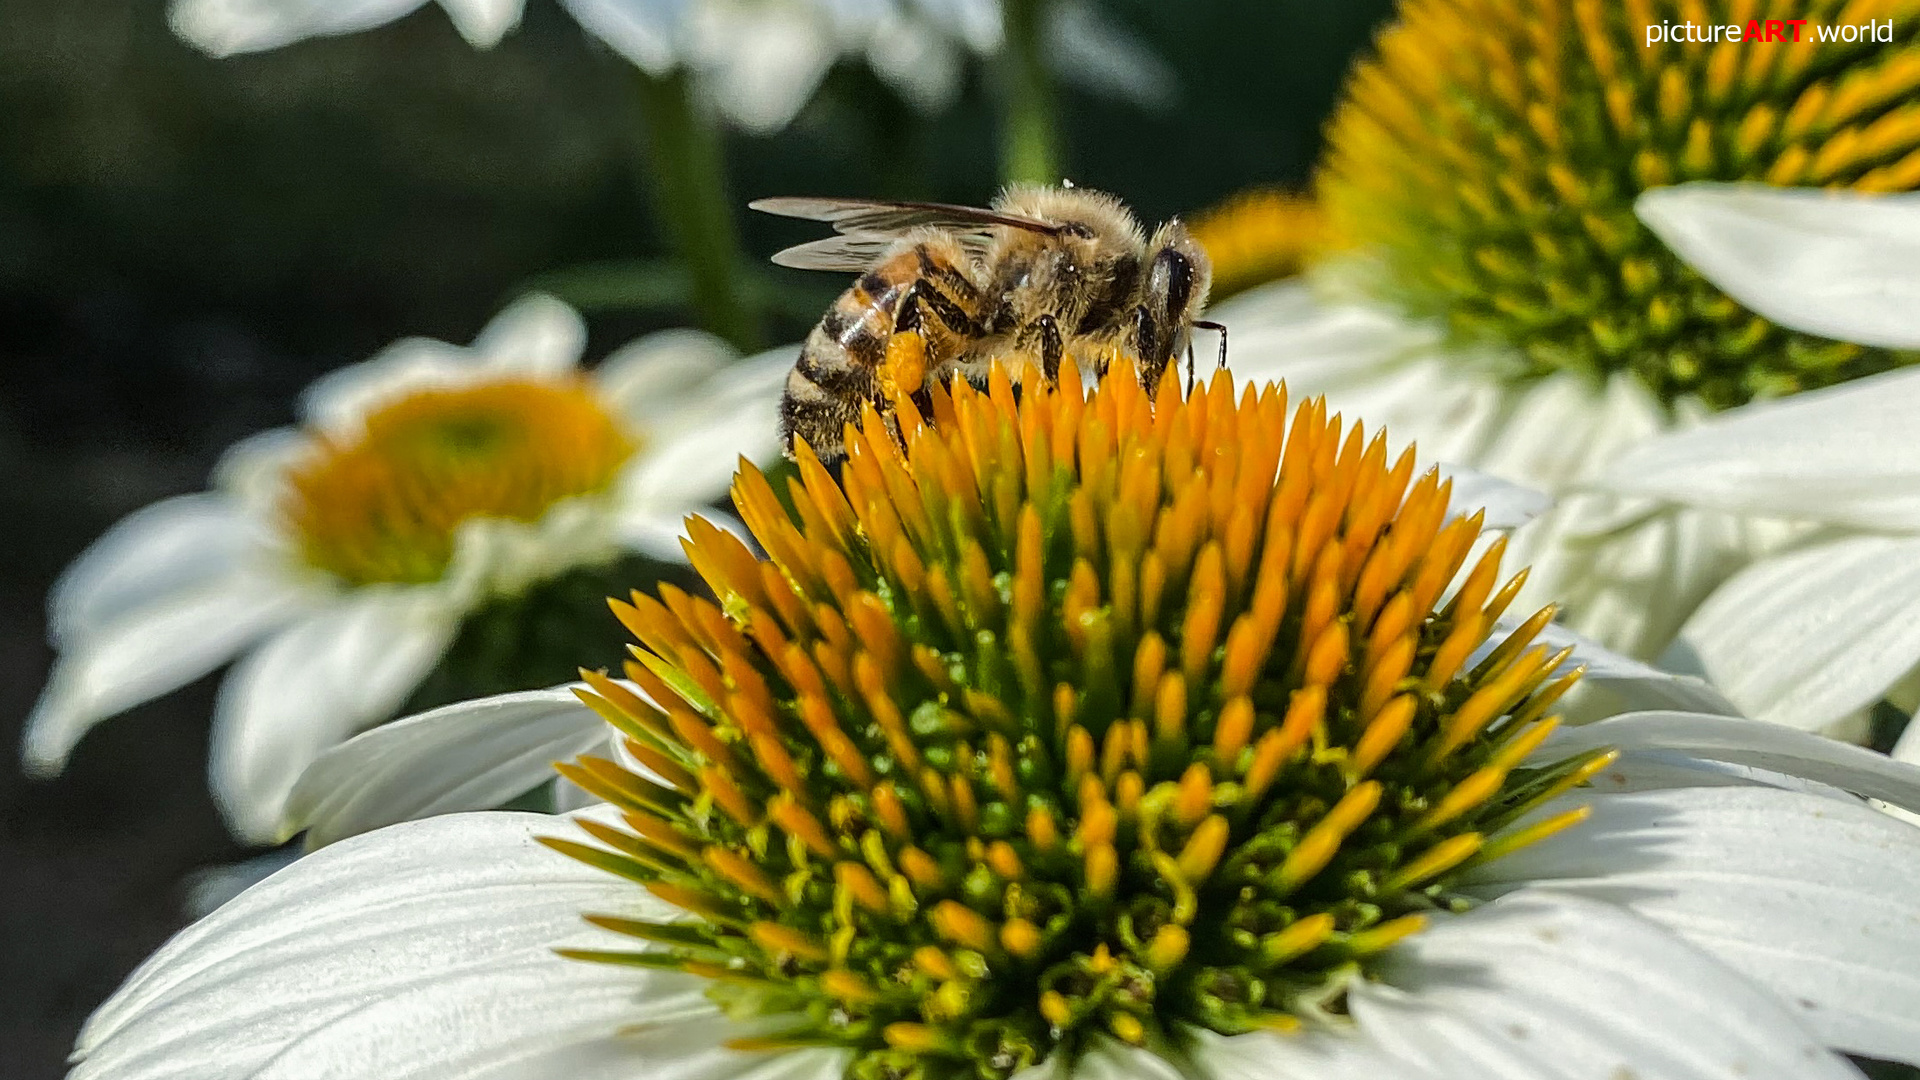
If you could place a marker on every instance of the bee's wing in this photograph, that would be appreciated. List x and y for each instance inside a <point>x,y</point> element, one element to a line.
<point>867,227</point>
<point>850,254</point>
<point>874,216</point>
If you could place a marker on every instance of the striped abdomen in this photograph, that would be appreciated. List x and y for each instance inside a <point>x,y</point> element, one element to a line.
<point>839,365</point>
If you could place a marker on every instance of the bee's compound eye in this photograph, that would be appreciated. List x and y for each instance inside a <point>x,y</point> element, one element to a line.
<point>1170,280</point>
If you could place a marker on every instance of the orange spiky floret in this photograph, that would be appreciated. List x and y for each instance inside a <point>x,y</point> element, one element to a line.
<point>1069,714</point>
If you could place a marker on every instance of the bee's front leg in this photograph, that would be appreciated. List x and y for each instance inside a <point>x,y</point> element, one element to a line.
<point>1152,347</point>
<point>1052,348</point>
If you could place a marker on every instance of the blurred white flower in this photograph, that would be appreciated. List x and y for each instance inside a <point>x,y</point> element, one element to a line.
<point>1709,919</point>
<point>1818,633</point>
<point>760,61</point>
<point>341,557</point>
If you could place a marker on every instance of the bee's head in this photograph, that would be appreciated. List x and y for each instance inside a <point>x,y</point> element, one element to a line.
<point>1178,276</point>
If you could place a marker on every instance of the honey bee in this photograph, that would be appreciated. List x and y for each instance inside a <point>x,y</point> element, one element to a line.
<point>1044,273</point>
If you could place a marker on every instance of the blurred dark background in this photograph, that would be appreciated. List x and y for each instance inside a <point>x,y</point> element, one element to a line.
<point>186,242</point>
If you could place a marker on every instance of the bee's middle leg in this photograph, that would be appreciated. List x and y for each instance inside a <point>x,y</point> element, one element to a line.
<point>906,357</point>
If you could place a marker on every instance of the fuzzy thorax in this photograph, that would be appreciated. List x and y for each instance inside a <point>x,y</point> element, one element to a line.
<point>1076,715</point>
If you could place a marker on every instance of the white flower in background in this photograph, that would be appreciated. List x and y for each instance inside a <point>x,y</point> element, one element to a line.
<point>339,558</point>
<point>1820,632</point>
<point>760,61</point>
<point>849,833</point>
<point>1491,296</point>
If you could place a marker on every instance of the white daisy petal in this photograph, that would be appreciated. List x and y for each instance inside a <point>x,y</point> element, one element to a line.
<point>1540,985</point>
<point>252,472</point>
<point>1109,1059</point>
<point>1507,505</point>
<point>1628,685</point>
<point>316,683</point>
<point>1809,897</point>
<point>511,1022</point>
<point>1745,742</point>
<point>1842,265</point>
<point>228,27</point>
<point>173,546</point>
<point>1805,638</point>
<point>646,32</point>
<point>483,22</point>
<point>1094,53</point>
<point>761,64</point>
<point>537,336</point>
<point>650,380</point>
<point>1308,1055</point>
<point>336,402</point>
<point>661,535</point>
<point>147,652</point>
<point>474,755</point>
<point>344,928</point>
<point>697,466</point>
<point>1843,455</point>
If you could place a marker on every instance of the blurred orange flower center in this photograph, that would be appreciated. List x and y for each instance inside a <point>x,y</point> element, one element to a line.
<point>386,505</point>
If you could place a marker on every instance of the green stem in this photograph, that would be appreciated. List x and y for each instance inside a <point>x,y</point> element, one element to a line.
<point>1030,135</point>
<point>687,175</point>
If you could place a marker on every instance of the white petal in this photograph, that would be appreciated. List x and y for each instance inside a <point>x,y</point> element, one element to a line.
<point>761,65</point>
<point>1627,684</point>
<point>1807,896</point>
<point>536,335</point>
<point>337,401</point>
<point>649,33</point>
<point>661,535</point>
<point>1109,1059</point>
<point>1507,505</point>
<point>395,912</point>
<point>474,755</point>
<point>483,22</point>
<point>316,683</point>
<point>1538,985</point>
<point>253,471</point>
<point>921,65</point>
<point>977,22</point>
<point>226,27</point>
<point>147,652</point>
<point>1747,742</point>
<point>173,546</point>
<point>1843,265</point>
<point>1844,454</point>
<point>651,379</point>
<point>1805,638</point>
<point>1313,1054</point>
<point>697,465</point>
<point>1093,53</point>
